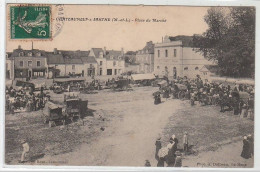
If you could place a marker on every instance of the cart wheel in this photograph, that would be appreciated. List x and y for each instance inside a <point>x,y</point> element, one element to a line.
<point>181,95</point>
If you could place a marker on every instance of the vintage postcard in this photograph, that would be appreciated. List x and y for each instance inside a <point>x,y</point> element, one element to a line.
<point>130,85</point>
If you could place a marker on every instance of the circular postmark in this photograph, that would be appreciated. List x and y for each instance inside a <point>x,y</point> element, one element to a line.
<point>58,12</point>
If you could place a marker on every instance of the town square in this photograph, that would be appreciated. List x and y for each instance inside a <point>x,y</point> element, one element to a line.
<point>173,96</point>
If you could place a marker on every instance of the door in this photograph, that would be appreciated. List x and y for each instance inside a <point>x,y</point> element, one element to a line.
<point>174,73</point>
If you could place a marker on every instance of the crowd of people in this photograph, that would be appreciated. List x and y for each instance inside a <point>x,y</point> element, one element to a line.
<point>24,99</point>
<point>171,155</point>
<point>236,97</point>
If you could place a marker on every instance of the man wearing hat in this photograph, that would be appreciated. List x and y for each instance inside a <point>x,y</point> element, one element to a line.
<point>26,149</point>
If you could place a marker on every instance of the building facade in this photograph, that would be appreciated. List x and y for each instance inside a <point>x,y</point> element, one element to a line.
<point>27,64</point>
<point>145,58</point>
<point>174,57</point>
<point>71,63</point>
<point>110,62</point>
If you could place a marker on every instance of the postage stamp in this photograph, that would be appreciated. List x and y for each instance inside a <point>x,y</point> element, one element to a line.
<point>30,22</point>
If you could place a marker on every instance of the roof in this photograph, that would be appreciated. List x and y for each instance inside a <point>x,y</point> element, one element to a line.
<point>210,68</point>
<point>149,48</point>
<point>69,60</point>
<point>69,79</point>
<point>89,59</point>
<point>55,59</point>
<point>187,41</point>
<point>143,76</point>
<point>8,54</point>
<point>34,52</point>
<point>74,54</point>
<point>97,51</point>
<point>115,54</point>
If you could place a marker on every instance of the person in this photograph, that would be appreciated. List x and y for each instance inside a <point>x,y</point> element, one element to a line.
<point>158,145</point>
<point>147,163</point>
<point>185,143</point>
<point>162,154</point>
<point>178,159</point>
<point>26,149</point>
<point>244,111</point>
<point>170,157</point>
<point>245,152</point>
<point>251,144</point>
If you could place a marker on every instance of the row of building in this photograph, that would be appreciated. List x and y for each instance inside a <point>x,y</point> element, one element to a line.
<point>173,57</point>
<point>37,63</point>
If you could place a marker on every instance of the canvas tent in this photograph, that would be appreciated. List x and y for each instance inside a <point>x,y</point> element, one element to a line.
<point>139,77</point>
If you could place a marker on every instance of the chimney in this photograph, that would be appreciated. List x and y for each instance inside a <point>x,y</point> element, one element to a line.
<point>55,51</point>
<point>122,51</point>
<point>19,47</point>
<point>162,39</point>
<point>32,45</point>
<point>105,51</point>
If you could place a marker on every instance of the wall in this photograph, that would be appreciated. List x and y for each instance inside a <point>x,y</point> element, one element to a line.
<point>160,62</point>
<point>188,62</point>
<point>119,66</point>
<point>34,60</point>
<point>103,66</point>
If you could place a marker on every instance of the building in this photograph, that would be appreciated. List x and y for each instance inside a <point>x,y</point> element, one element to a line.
<point>27,64</point>
<point>110,62</point>
<point>71,63</point>
<point>9,66</point>
<point>207,71</point>
<point>145,58</point>
<point>175,56</point>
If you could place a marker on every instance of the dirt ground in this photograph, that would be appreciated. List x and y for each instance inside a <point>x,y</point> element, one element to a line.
<point>130,123</point>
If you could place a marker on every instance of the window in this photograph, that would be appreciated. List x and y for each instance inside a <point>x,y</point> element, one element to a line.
<point>109,71</point>
<point>158,53</point>
<point>115,72</point>
<point>29,63</point>
<point>175,53</point>
<point>21,63</point>
<point>38,54</point>
<point>30,54</point>
<point>196,68</point>
<point>73,67</point>
<point>21,54</point>
<point>158,67</point>
<point>101,63</point>
<point>38,63</point>
<point>166,53</point>
<point>186,68</point>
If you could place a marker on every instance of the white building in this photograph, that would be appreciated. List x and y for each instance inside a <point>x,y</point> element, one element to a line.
<point>110,62</point>
<point>174,56</point>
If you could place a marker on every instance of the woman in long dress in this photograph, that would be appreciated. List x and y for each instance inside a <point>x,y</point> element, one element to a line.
<point>246,149</point>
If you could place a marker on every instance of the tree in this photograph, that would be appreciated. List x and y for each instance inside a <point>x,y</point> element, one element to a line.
<point>229,40</point>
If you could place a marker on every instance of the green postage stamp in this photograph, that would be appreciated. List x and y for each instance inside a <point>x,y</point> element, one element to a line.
<point>30,22</point>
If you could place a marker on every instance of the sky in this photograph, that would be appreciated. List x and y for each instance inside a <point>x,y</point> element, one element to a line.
<point>84,35</point>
